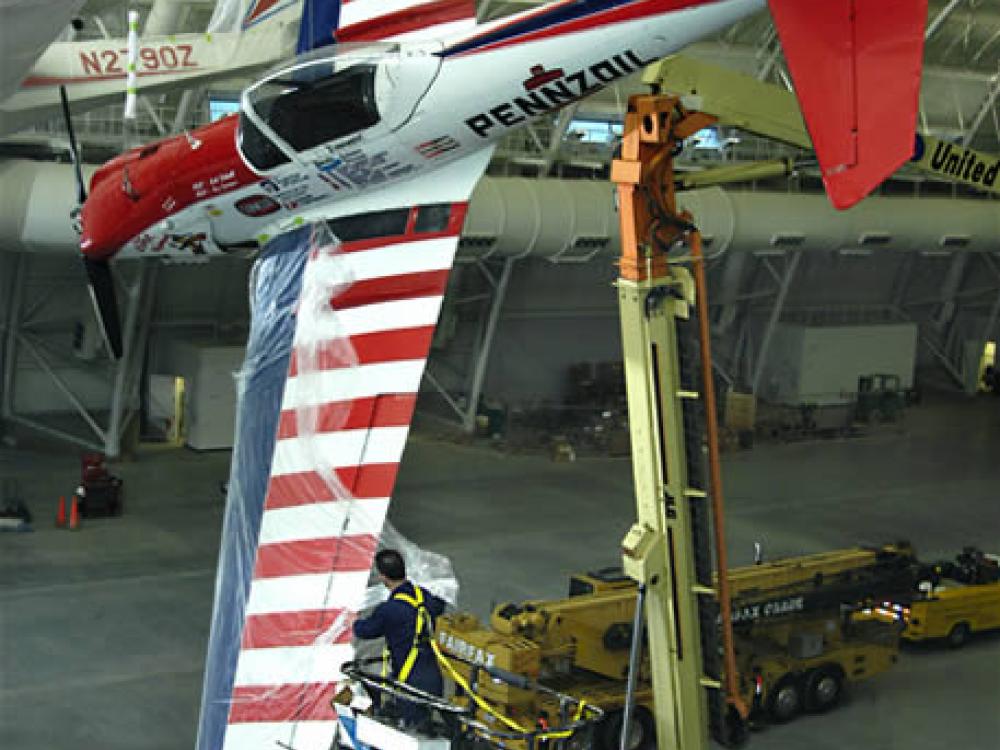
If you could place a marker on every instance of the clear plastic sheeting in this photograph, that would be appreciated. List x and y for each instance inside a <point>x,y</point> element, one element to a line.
<point>321,427</point>
<point>427,569</point>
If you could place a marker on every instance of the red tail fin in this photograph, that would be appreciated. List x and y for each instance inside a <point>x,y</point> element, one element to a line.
<point>856,68</point>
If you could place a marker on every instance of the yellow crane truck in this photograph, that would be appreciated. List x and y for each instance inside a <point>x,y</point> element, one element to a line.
<point>796,644</point>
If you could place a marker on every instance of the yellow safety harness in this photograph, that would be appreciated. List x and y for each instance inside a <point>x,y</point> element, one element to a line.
<point>417,602</point>
<point>423,631</point>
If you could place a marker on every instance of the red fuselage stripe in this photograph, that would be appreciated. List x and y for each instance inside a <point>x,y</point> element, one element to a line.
<point>407,20</point>
<point>303,488</point>
<point>386,288</point>
<point>328,555</point>
<point>632,12</point>
<point>365,349</point>
<point>394,410</point>
<point>36,81</point>
<point>308,702</point>
<point>284,629</point>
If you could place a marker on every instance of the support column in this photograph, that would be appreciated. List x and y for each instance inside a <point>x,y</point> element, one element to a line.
<point>729,290</point>
<point>13,323</point>
<point>901,284</point>
<point>934,349</point>
<point>136,330</point>
<point>486,344</point>
<point>949,289</point>
<point>163,18</point>
<point>555,142</point>
<point>784,284</point>
<point>940,18</point>
<point>985,108</point>
<point>184,106</point>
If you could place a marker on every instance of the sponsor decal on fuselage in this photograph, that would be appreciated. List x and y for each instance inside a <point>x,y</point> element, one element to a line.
<point>960,163</point>
<point>437,147</point>
<point>150,243</point>
<point>215,185</point>
<point>293,190</point>
<point>359,169</point>
<point>546,90</point>
<point>257,205</point>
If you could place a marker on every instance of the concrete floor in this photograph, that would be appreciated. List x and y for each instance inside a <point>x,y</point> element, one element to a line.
<point>103,632</point>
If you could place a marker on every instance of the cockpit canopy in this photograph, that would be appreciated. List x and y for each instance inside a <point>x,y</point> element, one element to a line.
<point>330,95</point>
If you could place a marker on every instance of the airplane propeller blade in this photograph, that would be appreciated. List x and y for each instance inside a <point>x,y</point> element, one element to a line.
<point>99,278</point>
<point>74,151</point>
<point>102,294</point>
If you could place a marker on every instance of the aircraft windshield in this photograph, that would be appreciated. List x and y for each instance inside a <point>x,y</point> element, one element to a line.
<point>322,97</point>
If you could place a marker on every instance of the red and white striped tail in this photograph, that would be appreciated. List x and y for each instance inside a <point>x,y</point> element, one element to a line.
<point>384,20</point>
<point>366,316</point>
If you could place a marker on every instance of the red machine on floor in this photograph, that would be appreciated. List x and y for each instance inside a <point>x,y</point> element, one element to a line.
<point>100,493</point>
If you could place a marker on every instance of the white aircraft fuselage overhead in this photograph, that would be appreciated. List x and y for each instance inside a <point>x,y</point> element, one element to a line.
<point>26,30</point>
<point>93,71</point>
<point>334,132</point>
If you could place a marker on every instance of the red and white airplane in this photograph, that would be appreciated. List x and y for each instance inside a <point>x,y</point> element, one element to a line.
<point>384,135</point>
<point>361,124</point>
<point>405,108</point>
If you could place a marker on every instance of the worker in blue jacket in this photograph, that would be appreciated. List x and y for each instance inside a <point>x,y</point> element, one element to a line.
<point>406,621</point>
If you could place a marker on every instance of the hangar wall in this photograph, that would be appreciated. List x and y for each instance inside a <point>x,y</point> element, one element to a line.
<point>554,316</point>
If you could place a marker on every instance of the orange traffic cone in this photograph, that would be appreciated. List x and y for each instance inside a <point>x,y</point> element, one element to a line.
<point>61,512</point>
<point>74,515</point>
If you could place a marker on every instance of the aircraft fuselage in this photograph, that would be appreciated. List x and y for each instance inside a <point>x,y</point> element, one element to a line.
<point>318,137</point>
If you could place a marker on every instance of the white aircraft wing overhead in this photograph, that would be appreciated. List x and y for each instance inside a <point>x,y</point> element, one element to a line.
<point>94,71</point>
<point>305,511</point>
<point>27,28</point>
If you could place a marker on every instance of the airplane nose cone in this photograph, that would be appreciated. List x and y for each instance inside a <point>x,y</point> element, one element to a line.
<point>107,220</point>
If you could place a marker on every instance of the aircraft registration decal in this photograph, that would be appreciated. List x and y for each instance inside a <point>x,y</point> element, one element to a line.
<point>111,62</point>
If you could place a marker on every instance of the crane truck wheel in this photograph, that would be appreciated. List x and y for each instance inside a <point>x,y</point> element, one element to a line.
<point>785,701</point>
<point>642,734</point>
<point>824,687</point>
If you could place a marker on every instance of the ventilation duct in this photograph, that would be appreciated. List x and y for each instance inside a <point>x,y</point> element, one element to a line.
<point>542,218</point>
<point>576,220</point>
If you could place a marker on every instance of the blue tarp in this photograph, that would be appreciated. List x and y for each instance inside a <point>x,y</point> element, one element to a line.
<point>274,292</point>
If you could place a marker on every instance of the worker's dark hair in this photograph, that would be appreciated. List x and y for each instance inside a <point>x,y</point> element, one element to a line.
<point>390,563</point>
